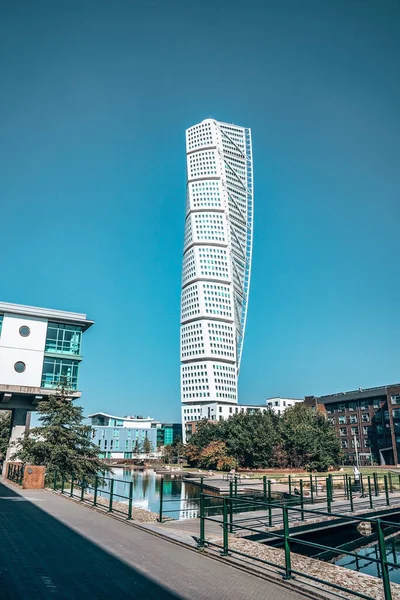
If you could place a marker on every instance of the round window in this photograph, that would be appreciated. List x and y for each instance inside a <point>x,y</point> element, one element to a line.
<point>24,330</point>
<point>20,366</point>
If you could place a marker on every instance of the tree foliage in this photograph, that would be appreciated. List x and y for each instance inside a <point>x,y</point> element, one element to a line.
<point>63,443</point>
<point>146,446</point>
<point>5,430</point>
<point>300,438</point>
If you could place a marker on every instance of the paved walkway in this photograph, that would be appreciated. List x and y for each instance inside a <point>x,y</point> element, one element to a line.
<point>51,547</point>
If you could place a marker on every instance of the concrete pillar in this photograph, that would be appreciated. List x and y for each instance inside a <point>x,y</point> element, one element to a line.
<point>19,422</point>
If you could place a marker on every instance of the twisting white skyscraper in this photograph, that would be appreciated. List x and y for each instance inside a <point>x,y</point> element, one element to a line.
<point>216,267</point>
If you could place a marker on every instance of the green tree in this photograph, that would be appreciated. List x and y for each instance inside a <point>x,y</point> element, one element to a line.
<point>63,443</point>
<point>5,431</point>
<point>215,456</point>
<point>168,453</point>
<point>308,439</point>
<point>135,448</point>
<point>146,447</point>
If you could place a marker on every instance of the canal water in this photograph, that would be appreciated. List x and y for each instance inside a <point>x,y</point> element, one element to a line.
<point>363,564</point>
<point>180,498</point>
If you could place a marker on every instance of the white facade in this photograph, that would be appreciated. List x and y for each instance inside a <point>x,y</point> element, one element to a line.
<point>25,345</point>
<point>279,405</point>
<point>216,261</point>
<point>39,348</point>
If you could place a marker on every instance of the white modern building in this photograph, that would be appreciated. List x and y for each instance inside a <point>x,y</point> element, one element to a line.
<point>216,262</point>
<point>123,437</point>
<point>39,347</point>
<point>279,405</point>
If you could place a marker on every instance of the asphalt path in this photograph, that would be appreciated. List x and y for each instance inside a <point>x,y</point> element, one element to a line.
<point>52,548</point>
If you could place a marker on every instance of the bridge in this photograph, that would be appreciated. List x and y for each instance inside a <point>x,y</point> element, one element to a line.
<point>52,548</point>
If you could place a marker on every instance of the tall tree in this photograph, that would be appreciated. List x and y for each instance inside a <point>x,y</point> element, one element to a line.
<point>308,438</point>
<point>5,430</point>
<point>146,447</point>
<point>63,442</point>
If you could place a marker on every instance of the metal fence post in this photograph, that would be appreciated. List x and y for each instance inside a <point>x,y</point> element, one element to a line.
<point>328,496</point>
<point>130,500</point>
<point>390,482</point>
<point>230,488</point>
<point>362,486</point>
<point>72,485</point>
<point>370,492</point>
<point>225,551</point>
<point>235,485</point>
<point>301,500</point>
<point>331,485</point>
<point>376,486</point>
<point>265,487</point>
<point>311,489</point>
<point>111,495</point>
<point>290,485</point>
<point>345,485</point>
<point>82,489</point>
<point>286,536</point>
<point>161,499</point>
<point>383,560</point>
<point>385,481</point>
<point>62,483</point>
<point>316,485</point>
<point>351,497</point>
<point>202,521</point>
<point>96,485</point>
<point>269,504</point>
<point>55,481</point>
<point>230,515</point>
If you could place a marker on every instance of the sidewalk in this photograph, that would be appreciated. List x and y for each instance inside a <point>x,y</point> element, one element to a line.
<point>54,548</point>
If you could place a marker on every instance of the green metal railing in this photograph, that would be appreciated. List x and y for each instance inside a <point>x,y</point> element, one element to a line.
<point>289,518</point>
<point>15,473</point>
<point>104,487</point>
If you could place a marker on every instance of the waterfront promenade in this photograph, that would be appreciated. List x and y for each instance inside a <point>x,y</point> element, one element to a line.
<point>51,547</point>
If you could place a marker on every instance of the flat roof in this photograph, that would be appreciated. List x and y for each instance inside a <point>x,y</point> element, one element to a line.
<point>356,394</point>
<point>101,414</point>
<point>61,316</point>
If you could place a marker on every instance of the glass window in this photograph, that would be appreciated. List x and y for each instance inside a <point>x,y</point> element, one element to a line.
<point>354,431</point>
<point>342,420</point>
<point>59,370</point>
<point>1,322</point>
<point>376,403</point>
<point>396,413</point>
<point>364,404</point>
<point>20,366</point>
<point>386,415</point>
<point>395,399</point>
<point>344,443</point>
<point>365,418</point>
<point>341,408</point>
<point>24,331</point>
<point>353,419</point>
<point>352,405</point>
<point>365,430</point>
<point>379,429</point>
<point>63,338</point>
<point>343,431</point>
<point>331,421</point>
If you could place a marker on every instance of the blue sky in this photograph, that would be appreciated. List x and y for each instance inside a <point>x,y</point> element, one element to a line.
<point>96,97</point>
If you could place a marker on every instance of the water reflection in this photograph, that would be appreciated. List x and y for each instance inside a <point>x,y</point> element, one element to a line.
<point>181,498</point>
<point>362,563</point>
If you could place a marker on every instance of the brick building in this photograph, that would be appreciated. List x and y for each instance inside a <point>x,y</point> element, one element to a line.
<point>368,419</point>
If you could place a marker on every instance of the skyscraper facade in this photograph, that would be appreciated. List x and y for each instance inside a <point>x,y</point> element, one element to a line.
<point>216,264</point>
